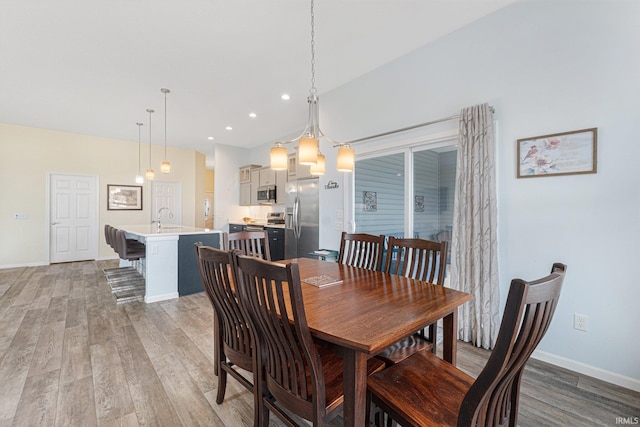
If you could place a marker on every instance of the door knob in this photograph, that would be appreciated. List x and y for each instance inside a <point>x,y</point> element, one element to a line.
<point>55,223</point>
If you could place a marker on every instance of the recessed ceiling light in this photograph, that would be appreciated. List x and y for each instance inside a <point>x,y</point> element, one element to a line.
<point>210,138</point>
<point>229,128</point>
<point>285,97</point>
<point>252,115</point>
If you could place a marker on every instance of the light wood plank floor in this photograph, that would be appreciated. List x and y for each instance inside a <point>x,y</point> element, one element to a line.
<point>69,356</point>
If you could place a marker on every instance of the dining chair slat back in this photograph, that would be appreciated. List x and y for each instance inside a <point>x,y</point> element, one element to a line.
<point>296,375</point>
<point>422,260</point>
<point>418,259</point>
<point>252,243</point>
<point>361,250</point>
<point>233,337</point>
<point>424,390</point>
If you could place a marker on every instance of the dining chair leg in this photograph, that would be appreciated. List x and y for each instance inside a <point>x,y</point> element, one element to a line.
<point>222,384</point>
<point>217,342</point>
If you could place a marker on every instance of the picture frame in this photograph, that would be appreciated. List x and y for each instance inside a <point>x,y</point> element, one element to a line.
<point>124,197</point>
<point>565,153</point>
<point>369,201</point>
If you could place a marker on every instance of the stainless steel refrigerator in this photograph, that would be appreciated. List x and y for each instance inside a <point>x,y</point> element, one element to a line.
<point>302,220</point>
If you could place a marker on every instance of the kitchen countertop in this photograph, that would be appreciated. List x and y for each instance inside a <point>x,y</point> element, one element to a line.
<point>149,230</point>
<point>258,223</point>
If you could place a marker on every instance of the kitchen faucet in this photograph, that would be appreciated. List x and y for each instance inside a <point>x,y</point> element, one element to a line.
<point>157,221</point>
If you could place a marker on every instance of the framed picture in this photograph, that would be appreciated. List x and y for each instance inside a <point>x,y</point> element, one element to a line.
<point>124,197</point>
<point>369,201</point>
<point>566,153</point>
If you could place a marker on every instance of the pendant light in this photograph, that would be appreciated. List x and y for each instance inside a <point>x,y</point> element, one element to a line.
<point>139,178</point>
<point>308,147</point>
<point>317,168</point>
<point>150,173</point>
<point>346,159</point>
<point>279,157</point>
<point>165,166</point>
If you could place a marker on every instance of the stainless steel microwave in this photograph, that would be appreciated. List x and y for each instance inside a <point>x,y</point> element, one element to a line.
<point>267,195</point>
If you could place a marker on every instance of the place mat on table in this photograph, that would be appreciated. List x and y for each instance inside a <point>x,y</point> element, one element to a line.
<point>321,280</point>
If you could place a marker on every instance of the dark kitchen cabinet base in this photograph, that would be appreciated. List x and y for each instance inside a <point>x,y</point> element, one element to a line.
<point>188,274</point>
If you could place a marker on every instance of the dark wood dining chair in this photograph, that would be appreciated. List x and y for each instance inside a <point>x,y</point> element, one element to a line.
<point>233,338</point>
<point>361,250</point>
<point>423,260</point>
<point>424,390</point>
<point>294,374</point>
<point>252,243</point>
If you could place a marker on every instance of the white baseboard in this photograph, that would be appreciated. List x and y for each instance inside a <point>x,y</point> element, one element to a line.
<point>592,371</point>
<point>40,264</point>
<point>107,258</point>
<point>163,297</point>
<point>28,264</point>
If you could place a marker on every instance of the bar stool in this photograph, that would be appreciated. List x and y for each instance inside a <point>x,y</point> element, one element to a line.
<point>129,249</point>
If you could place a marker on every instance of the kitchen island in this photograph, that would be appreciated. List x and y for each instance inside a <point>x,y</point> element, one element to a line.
<point>169,266</point>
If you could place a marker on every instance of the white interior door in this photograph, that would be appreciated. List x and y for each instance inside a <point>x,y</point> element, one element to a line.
<point>166,194</point>
<point>73,230</point>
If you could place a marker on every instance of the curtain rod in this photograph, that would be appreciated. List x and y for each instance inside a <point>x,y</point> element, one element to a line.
<point>391,132</point>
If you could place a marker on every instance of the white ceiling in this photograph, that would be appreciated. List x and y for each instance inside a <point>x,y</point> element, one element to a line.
<point>94,66</point>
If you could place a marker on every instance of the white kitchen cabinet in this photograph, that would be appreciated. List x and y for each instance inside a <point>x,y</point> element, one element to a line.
<point>245,194</point>
<point>267,177</point>
<point>297,171</point>
<point>281,188</point>
<point>255,183</point>
<point>245,173</point>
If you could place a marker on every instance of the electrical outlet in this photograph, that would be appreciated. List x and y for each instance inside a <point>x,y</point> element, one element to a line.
<point>580,322</point>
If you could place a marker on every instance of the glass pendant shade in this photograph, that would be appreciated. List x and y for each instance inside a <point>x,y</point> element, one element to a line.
<point>318,167</point>
<point>279,158</point>
<point>139,179</point>
<point>346,159</point>
<point>150,173</point>
<point>308,150</point>
<point>165,167</point>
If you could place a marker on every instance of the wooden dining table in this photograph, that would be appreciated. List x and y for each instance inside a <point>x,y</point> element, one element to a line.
<point>368,311</point>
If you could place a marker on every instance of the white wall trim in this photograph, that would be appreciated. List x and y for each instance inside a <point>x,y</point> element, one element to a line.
<point>107,258</point>
<point>28,264</point>
<point>163,297</point>
<point>592,371</point>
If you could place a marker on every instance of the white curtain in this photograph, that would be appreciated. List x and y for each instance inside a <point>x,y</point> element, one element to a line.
<point>474,243</point>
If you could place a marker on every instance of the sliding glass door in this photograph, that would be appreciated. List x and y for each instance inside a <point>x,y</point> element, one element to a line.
<point>408,193</point>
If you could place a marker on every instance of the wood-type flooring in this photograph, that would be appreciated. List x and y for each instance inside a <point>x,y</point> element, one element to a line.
<point>70,356</point>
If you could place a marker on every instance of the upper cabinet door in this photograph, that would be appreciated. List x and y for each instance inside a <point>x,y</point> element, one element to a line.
<point>292,166</point>
<point>245,173</point>
<point>267,177</point>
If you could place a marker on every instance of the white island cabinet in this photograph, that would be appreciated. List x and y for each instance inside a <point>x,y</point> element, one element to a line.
<point>169,266</point>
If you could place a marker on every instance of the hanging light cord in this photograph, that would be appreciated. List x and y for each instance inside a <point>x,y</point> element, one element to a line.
<point>313,89</point>
<point>150,111</point>
<point>139,149</point>
<point>165,124</point>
